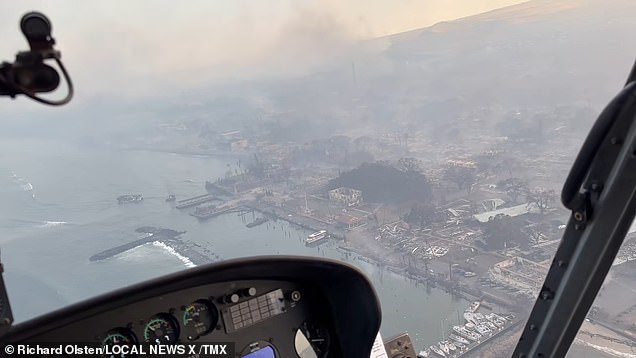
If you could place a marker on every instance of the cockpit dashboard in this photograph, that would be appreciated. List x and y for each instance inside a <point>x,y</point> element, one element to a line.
<point>265,307</point>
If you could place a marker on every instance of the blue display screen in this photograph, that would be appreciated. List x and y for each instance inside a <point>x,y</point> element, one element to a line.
<point>267,352</point>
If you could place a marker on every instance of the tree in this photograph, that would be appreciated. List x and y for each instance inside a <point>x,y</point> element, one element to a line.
<point>463,177</point>
<point>409,165</point>
<point>542,198</point>
<point>536,232</point>
<point>256,168</point>
<point>421,215</point>
<point>514,187</point>
<point>502,231</point>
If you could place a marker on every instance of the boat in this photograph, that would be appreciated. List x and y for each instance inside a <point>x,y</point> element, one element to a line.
<point>460,345</point>
<point>469,317</point>
<point>424,353</point>
<point>130,198</point>
<point>474,306</point>
<point>483,330</point>
<point>498,317</point>
<point>316,237</point>
<point>458,339</point>
<point>498,321</point>
<point>450,345</point>
<point>171,198</point>
<point>490,325</point>
<point>443,347</point>
<point>257,222</point>
<point>436,349</point>
<point>473,336</point>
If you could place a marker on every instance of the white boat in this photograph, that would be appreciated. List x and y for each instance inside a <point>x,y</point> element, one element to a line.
<point>424,354</point>
<point>472,334</point>
<point>443,347</point>
<point>464,333</point>
<point>317,236</point>
<point>474,306</point>
<point>491,325</point>
<point>496,316</point>
<point>436,349</point>
<point>458,339</point>
<point>469,317</point>
<point>483,330</point>
<point>494,319</point>
<point>450,345</point>
<point>460,345</point>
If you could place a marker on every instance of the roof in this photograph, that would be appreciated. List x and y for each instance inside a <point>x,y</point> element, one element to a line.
<point>511,211</point>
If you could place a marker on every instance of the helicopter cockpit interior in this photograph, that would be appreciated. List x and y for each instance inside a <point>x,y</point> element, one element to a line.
<point>284,306</point>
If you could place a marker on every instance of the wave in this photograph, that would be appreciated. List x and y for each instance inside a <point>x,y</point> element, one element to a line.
<point>51,224</point>
<point>23,183</point>
<point>186,261</point>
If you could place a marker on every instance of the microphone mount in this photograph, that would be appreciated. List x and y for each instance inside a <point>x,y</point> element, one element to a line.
<point>29,75</point>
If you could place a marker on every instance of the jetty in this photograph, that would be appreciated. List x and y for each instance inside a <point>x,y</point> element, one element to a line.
<point>197,200</point>
<point>152,234</point>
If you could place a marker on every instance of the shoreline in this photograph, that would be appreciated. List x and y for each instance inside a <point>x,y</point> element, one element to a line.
<point>202,153</point>
<point>596,339</point>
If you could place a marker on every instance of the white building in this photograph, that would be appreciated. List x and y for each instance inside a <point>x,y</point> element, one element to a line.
<point>511,211</point>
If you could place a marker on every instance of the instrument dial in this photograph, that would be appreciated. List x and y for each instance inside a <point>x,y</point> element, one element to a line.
<point>161,329</point>
<point>119,337</point>
<point>199,318</point>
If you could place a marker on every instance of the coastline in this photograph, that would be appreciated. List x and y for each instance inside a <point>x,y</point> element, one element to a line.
<point>204,153</point>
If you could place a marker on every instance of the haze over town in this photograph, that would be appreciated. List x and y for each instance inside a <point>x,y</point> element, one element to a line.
<point>428,138</point>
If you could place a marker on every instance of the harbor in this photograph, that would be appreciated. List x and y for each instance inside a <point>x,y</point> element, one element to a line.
<point>478,329</point>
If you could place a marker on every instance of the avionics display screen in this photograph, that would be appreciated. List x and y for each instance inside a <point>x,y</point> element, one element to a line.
<point>267,352</point>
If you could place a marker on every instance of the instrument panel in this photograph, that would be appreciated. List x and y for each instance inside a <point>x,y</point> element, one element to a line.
<point>267,307</point>
<point>242,312</point>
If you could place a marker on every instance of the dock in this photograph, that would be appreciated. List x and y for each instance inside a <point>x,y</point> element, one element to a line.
<point>214,213</point>
<point>197,200</point>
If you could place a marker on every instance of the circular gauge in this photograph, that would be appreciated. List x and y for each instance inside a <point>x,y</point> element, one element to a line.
<point>199,318</point>
<point>119,337</point>
<point>259,349</point>
<point>161,329</point>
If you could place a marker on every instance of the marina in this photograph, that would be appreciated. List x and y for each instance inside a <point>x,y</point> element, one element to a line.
<point>477,330</point>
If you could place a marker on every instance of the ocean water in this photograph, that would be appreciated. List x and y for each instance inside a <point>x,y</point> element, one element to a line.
<point>59,208</point>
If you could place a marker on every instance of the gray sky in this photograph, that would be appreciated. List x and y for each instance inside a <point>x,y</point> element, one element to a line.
<point>135,47</point>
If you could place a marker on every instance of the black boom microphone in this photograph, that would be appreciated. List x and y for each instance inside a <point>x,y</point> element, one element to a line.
<point>29,74</point>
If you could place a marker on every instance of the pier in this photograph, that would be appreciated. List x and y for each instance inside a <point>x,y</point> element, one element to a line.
<point>153,235</point>
<point>214,213</point>
<point>197,200</point>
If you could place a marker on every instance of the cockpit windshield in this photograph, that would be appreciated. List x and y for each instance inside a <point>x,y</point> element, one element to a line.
<point>424,142</point>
